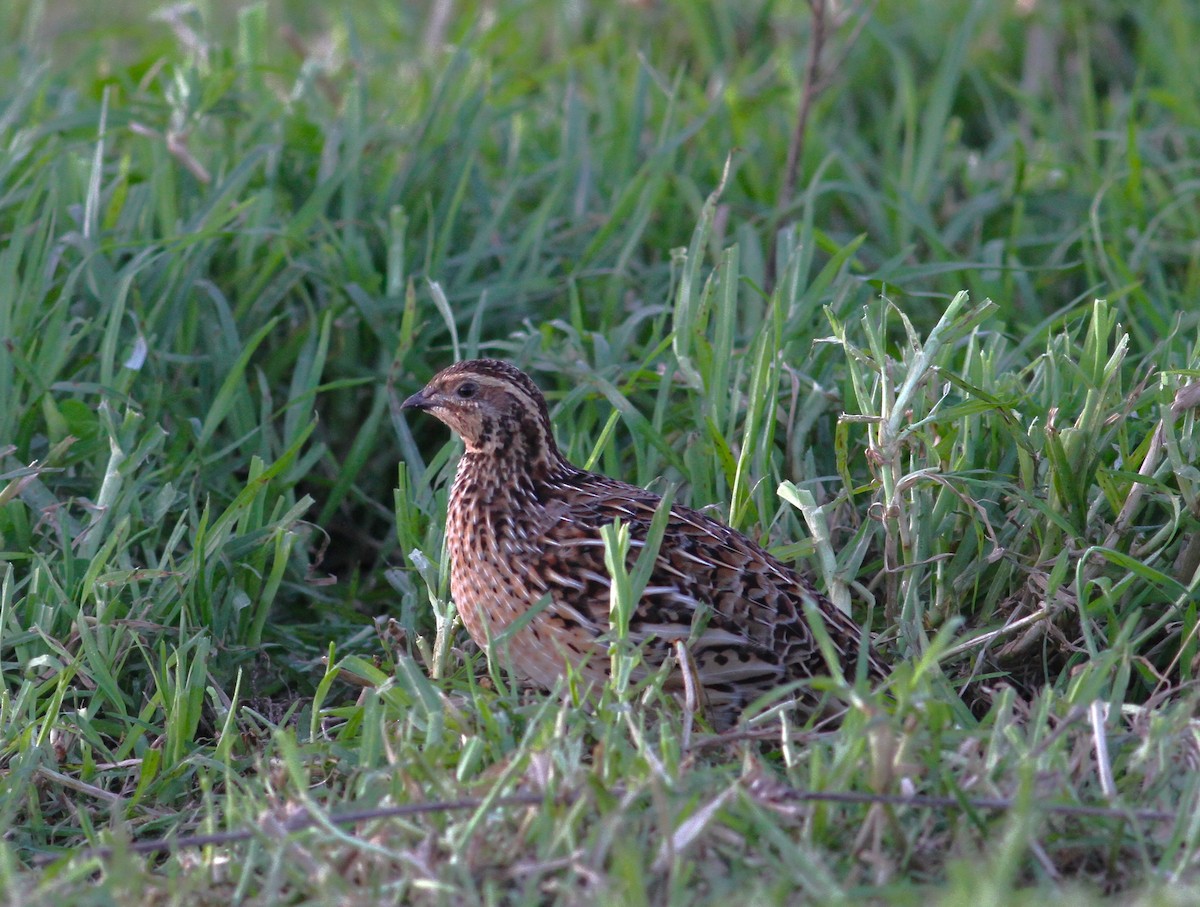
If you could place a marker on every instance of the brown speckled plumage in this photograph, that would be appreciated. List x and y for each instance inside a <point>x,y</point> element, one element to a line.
<point>523,527</point>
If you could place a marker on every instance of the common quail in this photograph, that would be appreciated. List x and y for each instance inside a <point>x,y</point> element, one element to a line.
<point>523,531</point>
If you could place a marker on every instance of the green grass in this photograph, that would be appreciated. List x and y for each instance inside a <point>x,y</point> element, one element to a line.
<point>950,375</point>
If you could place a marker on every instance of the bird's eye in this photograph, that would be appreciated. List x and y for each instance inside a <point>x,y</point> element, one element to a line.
<point>467,390</point>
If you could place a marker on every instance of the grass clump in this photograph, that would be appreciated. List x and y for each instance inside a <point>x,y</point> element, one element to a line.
<point>952,364</point>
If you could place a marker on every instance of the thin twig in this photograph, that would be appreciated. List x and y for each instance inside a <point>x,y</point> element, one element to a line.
<point>808,94</point>
<point>816,80</point>
<point>307,820</point>
<point>79,786</point>
<point>298,823</point>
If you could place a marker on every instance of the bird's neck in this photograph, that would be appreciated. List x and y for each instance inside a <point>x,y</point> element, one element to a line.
<point>516,472</point>
<point>516,448</point>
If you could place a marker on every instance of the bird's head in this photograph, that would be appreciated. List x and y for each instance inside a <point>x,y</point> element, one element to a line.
<point>494,407</point>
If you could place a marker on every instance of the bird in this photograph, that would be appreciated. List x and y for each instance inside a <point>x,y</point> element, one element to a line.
<point>523,533</point>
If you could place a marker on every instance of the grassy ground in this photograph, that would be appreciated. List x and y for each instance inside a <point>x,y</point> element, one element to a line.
<point>231,243</point>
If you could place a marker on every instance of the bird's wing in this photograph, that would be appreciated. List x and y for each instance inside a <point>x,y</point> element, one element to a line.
<point>740,611</point>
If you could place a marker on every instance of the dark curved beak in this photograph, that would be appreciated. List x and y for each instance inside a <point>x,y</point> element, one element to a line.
<point>419,400</point>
